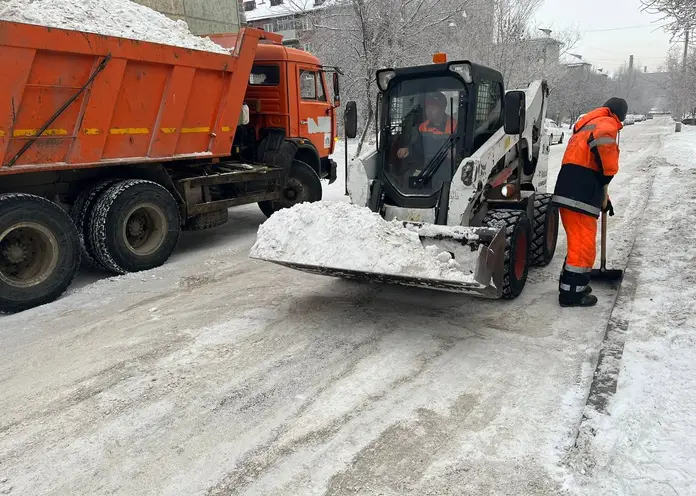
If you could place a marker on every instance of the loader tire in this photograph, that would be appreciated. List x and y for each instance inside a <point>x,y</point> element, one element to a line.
<point>304,185</point>
<point>545,236</point>
<point>207,220</point>
<point>518,235</point>
<point>81,212</point>
<point>39,251</point>
<point>135,226</point>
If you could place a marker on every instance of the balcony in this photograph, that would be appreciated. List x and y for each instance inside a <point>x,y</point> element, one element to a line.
<point>288,34</point>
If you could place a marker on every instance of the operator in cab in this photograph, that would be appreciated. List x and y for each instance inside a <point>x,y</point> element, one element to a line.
<point>589,164</point>
<point>437,121</point>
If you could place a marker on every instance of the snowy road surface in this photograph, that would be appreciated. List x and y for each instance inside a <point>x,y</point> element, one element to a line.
<point>216,374</point>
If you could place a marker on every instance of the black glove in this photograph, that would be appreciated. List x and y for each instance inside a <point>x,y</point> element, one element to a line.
<point>609,208</point>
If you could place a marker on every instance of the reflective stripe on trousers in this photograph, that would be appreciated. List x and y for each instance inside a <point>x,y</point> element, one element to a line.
<point>570,203</point>
<point>572,289</point>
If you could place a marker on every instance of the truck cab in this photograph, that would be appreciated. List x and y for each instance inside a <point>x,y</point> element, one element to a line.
<point>291,97</point>
<point>304,111</point>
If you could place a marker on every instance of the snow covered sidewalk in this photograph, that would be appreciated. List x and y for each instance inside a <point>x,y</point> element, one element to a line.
<point>645,444</point>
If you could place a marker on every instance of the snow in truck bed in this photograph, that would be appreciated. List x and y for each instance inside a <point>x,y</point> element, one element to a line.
<point>121,18</point>
<point>340,235</point>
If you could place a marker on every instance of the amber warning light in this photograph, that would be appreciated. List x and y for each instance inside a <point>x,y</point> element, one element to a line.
<point>439,58</point>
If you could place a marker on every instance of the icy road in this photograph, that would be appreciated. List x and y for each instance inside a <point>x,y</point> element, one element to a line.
<point>219,375</point>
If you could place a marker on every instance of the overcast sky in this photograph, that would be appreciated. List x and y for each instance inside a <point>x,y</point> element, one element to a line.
<point>632,31</point>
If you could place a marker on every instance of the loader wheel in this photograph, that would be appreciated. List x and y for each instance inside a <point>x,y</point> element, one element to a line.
<point>81,212</point>
<point>303,185</point>
<point>545,237</point>
<point>39,251</point>
<point>208,220</point>
<point>135,226</point>
<point>518,234</point>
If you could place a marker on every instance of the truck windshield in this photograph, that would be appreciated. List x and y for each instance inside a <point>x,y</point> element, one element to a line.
<point>421,133</point>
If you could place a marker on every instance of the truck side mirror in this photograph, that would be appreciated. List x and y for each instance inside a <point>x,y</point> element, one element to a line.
<point>336,90</point>
<point>350,120</point>
<point>515,112</point>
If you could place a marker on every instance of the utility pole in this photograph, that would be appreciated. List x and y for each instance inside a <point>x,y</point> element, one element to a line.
<point>687,30</point>
<point>629,82</point>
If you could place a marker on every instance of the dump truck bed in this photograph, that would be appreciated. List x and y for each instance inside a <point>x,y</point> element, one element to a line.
<point>73,100</point>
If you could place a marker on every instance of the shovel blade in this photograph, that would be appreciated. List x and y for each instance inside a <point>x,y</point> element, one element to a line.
<point>606,274</point>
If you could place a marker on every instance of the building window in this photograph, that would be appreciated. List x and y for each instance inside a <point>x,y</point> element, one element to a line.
<point>249,5</point>
<point>268,27</point>
<point>286,24</point>
<point>275,3</point>
<point>304,23</point>
<point>264,75</point>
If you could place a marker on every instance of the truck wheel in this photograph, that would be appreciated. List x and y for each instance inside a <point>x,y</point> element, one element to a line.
<point>304,185</point>
<point>518,233</point>
<point>81,212</point>
<point>208,220</point>
<point>135,226</point>
<point>39,251</point>
<point>545,234</point>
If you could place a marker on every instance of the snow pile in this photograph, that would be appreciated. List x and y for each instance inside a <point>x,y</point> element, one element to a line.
<point>121,18</point>
<point>341,235</point>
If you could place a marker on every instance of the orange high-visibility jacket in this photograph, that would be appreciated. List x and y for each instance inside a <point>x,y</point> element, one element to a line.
<point>590,162</point>
<point>427,127</point>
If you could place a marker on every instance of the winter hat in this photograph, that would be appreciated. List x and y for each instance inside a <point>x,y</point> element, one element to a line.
<point>618,107</point>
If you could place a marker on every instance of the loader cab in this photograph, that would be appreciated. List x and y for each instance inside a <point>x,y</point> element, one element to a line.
<point>430,118</point>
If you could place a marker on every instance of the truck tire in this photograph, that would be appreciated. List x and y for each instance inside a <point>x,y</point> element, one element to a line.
<point>135,226</point>
<point>39,251</point>
<point>518,234</point>
<point>208,220</point>
<point>81,212</point>
<point>545,236</point>
<point>304,185</point>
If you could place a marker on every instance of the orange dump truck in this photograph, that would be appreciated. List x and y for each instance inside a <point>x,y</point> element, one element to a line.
<point>110,147</point>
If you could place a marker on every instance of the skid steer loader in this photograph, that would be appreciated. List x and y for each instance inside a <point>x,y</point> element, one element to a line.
<point>454,149</point>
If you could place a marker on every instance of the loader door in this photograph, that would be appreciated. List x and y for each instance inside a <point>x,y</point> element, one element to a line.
<point>315,109</point>
<point>422,138</point>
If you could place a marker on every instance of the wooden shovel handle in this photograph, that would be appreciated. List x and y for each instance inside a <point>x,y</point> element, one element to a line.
<point>604,240</point>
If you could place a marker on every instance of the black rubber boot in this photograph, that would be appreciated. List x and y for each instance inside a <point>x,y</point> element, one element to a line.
<point>587,291</point>
<point>586,300</point>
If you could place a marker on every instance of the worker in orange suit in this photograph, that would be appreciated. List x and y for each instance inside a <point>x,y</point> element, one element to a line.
<point>590,162</point>
<point>437,121</point>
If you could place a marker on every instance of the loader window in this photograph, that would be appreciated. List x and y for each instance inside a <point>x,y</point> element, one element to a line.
<point>421,133</point>
<point>489,97</point>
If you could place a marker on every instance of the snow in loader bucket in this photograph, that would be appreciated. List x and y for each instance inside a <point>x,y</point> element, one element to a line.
<point>343,240</point>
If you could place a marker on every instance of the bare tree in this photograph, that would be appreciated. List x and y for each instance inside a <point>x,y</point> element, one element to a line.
<point>677,15</point>
<point>363,36</point>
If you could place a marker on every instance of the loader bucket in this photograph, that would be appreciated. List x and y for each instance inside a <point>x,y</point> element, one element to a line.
<point>478,252</point>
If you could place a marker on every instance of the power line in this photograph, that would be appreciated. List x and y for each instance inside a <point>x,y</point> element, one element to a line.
<point>618,29</point>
